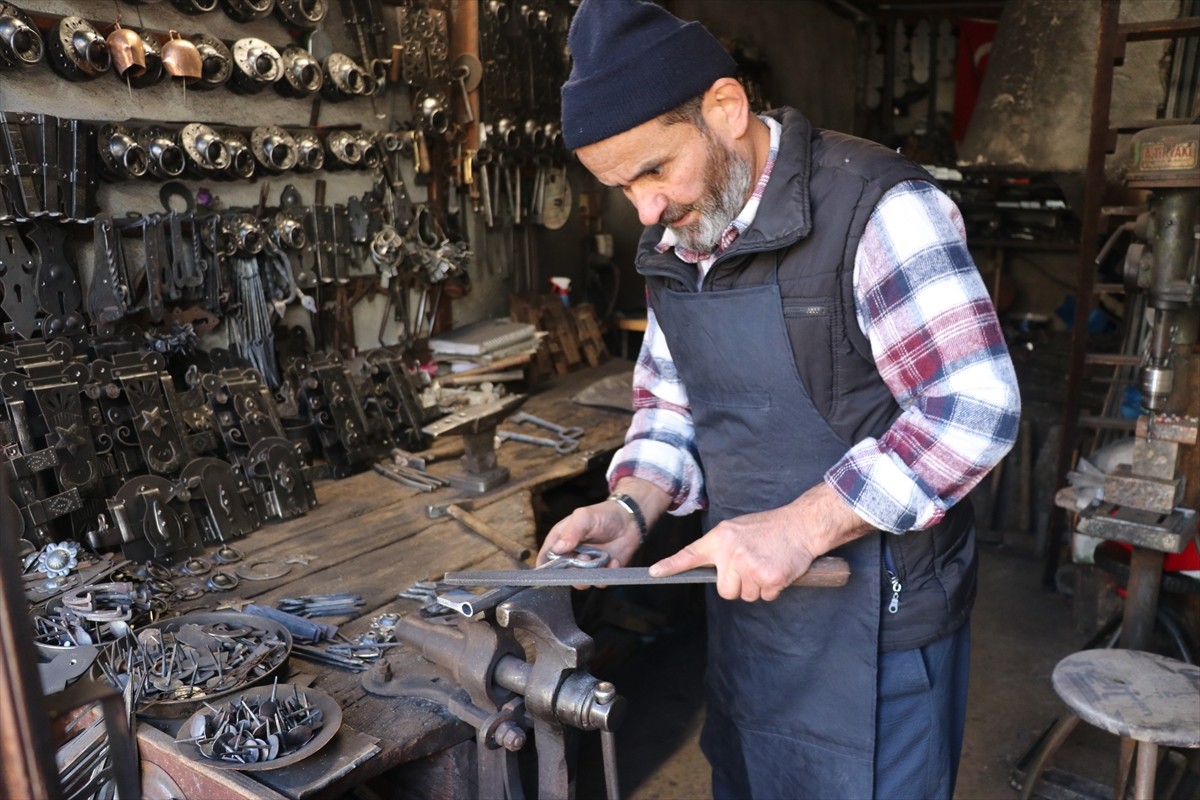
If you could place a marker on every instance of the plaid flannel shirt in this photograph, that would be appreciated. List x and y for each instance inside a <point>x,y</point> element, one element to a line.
<point>936,342</point>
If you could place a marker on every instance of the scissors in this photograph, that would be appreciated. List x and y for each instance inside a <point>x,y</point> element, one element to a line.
<point>469,604</point>
<point>582,557</point>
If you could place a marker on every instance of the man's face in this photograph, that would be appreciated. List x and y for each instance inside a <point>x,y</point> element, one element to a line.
<point>676,175</point>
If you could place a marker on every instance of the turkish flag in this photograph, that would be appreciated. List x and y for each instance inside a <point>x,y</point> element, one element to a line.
<point>974,46</point>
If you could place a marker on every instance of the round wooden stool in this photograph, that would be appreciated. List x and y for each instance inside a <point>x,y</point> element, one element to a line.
<point>1144,697</point>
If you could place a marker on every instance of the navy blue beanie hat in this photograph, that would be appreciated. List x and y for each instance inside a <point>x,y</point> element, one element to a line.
<point>633,61</point>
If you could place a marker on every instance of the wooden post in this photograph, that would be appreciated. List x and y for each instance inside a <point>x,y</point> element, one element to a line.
<point>26,748</point>
<point>464,38</point>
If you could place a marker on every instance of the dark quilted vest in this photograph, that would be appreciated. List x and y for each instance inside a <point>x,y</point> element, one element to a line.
<point>822,191</point>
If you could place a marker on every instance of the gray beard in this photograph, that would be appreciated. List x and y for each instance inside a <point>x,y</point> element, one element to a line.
<point>728,178</point>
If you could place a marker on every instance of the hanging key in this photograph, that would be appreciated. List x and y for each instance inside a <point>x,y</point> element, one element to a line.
<point>461,73</point>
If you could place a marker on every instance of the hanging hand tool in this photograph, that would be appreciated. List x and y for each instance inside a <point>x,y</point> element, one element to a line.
<point>825,572</point>
<point>109,292</point>
<point>563,431</point>
<point>561,446</point>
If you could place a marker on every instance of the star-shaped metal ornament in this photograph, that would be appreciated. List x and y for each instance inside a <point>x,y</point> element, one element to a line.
<point>232,605</point>
<point>70,438</point>
<point>153,421</point>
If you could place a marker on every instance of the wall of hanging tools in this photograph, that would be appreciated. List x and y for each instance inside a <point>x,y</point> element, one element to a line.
<point>227,228</point>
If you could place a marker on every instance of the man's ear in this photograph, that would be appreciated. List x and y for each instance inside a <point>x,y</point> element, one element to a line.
<point>726,108</point>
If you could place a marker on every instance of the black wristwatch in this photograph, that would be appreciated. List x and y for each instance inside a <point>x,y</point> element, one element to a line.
<point>630,505</point>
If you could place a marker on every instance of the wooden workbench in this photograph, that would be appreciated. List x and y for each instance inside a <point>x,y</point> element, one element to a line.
<point>372,537</point>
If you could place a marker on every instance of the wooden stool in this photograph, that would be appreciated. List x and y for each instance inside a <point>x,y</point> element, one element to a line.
<point>1143,697</point>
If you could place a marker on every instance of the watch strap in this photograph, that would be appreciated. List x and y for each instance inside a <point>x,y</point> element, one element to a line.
<point>630,505</point>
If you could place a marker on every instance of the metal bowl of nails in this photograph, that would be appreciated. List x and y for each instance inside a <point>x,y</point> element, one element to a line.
<point>263,728</point>
<point>96,615</point>
<point>181,663</point>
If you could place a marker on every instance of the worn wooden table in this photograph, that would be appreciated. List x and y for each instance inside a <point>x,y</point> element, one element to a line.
<point>372,537</point>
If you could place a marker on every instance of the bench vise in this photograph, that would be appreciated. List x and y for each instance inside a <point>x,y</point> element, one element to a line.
<point>502,693</point>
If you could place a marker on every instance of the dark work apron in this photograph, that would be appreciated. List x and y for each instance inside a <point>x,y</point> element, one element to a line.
<point>792,682</point>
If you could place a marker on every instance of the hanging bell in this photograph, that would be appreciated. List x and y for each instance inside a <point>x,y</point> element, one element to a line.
<point>154,66</point>
<point>128,51</point>
<point>181,58</point>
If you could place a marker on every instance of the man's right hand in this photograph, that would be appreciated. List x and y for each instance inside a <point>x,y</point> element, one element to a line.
<point>606,525</point>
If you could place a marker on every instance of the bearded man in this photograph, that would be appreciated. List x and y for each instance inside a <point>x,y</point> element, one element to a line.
<point>822,372</point>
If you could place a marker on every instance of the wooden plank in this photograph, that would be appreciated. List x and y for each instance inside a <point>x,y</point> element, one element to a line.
<point>325,768</point>
<point>194,779</point>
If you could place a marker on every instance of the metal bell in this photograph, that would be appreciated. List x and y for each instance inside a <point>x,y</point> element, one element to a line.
<point>181,58</point>
<point>128,51</point>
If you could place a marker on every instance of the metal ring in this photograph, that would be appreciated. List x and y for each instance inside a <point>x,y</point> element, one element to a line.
<point>222,581</point>
<point>172,189</point>
<point>426,234</point>
<point>20,40</point>
<point>264,570</point>
<point>189,591</point>
<point>160,586</point>
<point>157,571</point>
<point>195,566</point>
<point>227,555</point>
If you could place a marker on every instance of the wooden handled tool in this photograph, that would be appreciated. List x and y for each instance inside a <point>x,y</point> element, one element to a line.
<point>518,551</point>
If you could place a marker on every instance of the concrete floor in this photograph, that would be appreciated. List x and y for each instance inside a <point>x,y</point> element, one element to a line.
<point>1019,632</point>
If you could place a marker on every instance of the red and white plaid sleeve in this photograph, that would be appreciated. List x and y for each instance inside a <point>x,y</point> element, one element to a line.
<point>939,347</point>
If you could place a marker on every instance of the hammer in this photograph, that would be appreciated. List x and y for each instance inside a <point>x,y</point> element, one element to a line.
<point>459,511</point>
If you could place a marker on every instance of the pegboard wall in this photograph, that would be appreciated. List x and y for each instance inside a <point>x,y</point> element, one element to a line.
<point>420,94</point>
<point>227,230</point>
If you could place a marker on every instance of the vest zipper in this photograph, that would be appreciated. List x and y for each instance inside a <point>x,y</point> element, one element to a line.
<point>894,603</point>
<point>805,310</point>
